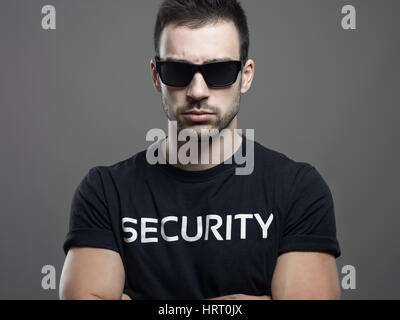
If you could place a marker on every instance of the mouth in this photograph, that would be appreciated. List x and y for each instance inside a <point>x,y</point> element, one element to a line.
<point>198,112</point>
<point>198,116</point>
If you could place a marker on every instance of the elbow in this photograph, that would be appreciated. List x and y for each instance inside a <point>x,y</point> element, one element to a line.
<point>72,293</point>
<point>80,296</point>
<point>327,294</point>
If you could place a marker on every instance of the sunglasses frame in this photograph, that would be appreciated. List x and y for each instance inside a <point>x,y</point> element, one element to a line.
<point>198,68</point>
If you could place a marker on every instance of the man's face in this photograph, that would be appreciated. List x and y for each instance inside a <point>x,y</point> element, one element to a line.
<point>200,45</point>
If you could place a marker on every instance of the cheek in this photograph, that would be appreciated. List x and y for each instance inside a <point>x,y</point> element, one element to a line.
<point>225,98</point>
<point>173,97</point>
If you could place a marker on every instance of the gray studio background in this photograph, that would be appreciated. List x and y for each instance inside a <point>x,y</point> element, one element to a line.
<point>81,96</point>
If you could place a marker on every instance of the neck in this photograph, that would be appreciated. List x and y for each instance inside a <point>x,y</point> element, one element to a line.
<point>203,154</point>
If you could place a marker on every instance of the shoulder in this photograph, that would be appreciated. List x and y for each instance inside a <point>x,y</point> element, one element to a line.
<point>290,178</point>
<point>296,182</point>
<point>276,163</point>
<point>121,170</point>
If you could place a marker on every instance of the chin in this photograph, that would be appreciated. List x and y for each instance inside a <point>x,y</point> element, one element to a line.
<point>198,127</point>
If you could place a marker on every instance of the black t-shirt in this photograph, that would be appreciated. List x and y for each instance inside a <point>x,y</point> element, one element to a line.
<point>203,234</point>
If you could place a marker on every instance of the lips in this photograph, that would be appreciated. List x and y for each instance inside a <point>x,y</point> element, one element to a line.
<point>198,112</point>
<point>198,116</point>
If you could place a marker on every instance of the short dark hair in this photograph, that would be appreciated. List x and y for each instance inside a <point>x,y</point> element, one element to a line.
<point>197,13</point>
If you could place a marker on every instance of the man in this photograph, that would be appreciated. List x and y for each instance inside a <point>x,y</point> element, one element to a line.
<point>200,230</point>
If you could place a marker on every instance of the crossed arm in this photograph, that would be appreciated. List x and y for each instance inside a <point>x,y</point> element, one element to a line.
<point>92,274</point>
<point>301,276</point>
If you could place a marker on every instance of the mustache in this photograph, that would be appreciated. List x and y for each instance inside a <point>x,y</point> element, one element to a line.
<point>200,107</point>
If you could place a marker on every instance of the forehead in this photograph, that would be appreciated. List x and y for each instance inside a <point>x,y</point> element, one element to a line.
<point>197,45</point>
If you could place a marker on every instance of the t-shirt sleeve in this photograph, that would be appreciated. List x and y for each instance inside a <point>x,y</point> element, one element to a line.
<point>90,224</point>
<point>309,223</point>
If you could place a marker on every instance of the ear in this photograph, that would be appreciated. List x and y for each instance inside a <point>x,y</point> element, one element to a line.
<point>154,75</point>
<point>247,75</point>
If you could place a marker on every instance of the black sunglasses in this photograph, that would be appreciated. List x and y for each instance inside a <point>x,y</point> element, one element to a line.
<point>180,74</point>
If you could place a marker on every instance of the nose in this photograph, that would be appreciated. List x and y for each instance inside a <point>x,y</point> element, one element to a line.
<point>198,88</point>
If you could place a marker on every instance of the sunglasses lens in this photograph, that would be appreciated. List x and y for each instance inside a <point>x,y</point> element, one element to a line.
<point>218,74</point>
<point>221,74</point>
<point>176,74</point>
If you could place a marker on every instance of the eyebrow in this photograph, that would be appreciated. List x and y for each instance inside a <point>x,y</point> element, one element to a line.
<point>206,61</point>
